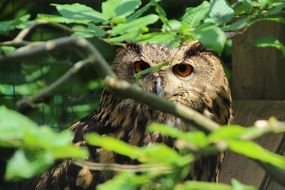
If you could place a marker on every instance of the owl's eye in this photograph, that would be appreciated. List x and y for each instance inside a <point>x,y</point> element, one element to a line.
<point>140,66</point>
<point>182,70</point>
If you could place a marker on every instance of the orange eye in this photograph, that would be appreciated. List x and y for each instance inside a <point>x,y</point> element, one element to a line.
<point>182,70</point>
<point>140,66</point>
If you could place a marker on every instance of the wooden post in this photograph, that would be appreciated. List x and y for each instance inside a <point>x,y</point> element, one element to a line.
<point>258,88</point>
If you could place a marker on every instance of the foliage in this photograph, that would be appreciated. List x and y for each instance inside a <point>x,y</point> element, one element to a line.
<point>37,147</point>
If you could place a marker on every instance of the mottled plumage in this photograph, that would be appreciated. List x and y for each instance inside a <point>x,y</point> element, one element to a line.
<point>205,90</point>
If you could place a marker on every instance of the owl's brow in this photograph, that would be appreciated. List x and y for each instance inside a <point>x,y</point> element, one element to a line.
<point>195,49</point>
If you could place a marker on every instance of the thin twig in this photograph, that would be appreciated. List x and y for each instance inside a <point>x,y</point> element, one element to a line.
<point>27,31</point>
<point>15,43</point>
<point>29,102</point>
<point>123,167</point>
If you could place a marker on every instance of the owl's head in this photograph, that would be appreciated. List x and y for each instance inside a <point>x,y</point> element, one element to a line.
<point>189,74</point>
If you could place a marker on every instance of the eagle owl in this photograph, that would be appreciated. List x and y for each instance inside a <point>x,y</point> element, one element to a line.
<point>192,76</point>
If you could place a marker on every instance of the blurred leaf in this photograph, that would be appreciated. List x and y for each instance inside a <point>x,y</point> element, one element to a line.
<point>125,181</point>
<point>239,186</point>
<point>212,36</point>
<point>253,150</point>
<point>78,11</point>
<point>242,7</point>
<point>134,25</point>
<point>220,11</point>
<point>112,144</point>
<point>27,164</point>
<point>197,185</point>
<point>119,8</point>
<point>151,154</point>
<point>193,16</point>
<point>13,124</point>
<point>270,42</point>
<point>7,49</point>
<point>198,138</point>
<point>19,23</point>
<point>228,132</point>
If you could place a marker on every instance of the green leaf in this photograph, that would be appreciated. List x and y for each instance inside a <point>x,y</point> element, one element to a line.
<point>239,186</point>
<point>169,39</point>
<point>25,164</point>
<point>238,25</point>
<point>220,11</point>
<point>150,70</point>
<point>172,25</point>
<point>270,42</point>
<point>125,181</point>
<point>13,124</point>
<point>147,154</point>
<point>253,150</point>
<point>19,23</point>
<point>60,19</point>
<point>161,12</point>
<point>212,36</point>
<point>112,144</point>
<point>78,11</point>
<point>198,138</point>
<point>193,16</point>
<point>134,25</point>
<point>140,11</point>
<point>88,32</point>
<point>125,37</point>
<point>119,8</point>
<point>228,132</point>
<point>197,185</point>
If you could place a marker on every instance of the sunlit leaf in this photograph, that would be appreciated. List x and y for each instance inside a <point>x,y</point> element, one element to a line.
<point>78,11</point>
<point>126,181</point>
<point>239,186</point>
<point>134,25</point>
<point>253,150</point>
<point>119,8</point>
<point>112,144</point>
<point>27,164</point>
<point>198,138</point>
<point>212,36</point>
<point>193,16</point>
<point>220,11</point>
<point>270,42</point>
<point>197,185</point>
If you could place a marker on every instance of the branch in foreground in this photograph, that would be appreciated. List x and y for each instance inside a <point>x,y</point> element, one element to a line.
<point>123,167</point>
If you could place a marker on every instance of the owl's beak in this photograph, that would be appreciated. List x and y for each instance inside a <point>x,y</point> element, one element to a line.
<point>157,86</point>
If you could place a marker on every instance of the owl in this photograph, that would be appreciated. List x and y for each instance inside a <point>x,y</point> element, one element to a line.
<point>191,75</point>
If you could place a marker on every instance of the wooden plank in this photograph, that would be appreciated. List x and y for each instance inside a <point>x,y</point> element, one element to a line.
<point>258,73</point>
<point>246,112</point>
